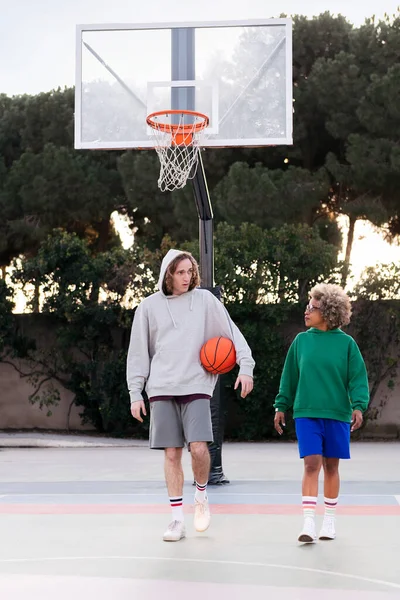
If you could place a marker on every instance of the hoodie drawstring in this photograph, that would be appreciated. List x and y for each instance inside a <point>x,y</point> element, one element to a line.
<point>170,313</point>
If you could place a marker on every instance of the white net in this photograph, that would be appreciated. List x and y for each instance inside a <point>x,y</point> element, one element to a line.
<point>177,141</point>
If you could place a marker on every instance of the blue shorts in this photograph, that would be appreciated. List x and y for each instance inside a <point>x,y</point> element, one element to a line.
<point>327,437</point>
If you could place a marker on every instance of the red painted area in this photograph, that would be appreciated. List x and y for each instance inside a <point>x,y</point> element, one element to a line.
<point>217,509</point>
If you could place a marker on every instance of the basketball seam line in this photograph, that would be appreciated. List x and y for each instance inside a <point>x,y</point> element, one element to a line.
<point>216,368</point>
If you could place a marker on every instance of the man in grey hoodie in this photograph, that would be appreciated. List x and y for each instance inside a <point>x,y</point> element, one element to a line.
<point>168,332</point>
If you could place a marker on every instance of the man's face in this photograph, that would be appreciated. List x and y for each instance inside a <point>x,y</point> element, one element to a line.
<point>182,277</point>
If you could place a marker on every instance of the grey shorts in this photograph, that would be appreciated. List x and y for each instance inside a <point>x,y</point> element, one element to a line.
<point>172,424</point>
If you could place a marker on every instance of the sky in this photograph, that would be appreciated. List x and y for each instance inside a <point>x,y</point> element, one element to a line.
<point>37,46</point>
<point>38,36</point>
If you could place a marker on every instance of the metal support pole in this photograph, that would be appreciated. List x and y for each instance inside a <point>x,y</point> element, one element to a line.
<point>183,68</point>
<point>206,238</point>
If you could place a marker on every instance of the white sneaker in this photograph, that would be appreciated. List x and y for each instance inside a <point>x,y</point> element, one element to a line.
<point>202,515</point>
<point>308,533</point>
<point>328,529</point>
<point>175,532</point>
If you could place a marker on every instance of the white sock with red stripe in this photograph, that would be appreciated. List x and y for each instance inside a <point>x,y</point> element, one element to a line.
<point>176,503</point>
<point>330,506</point>
<point>309,506</point>
<point>201,491</point>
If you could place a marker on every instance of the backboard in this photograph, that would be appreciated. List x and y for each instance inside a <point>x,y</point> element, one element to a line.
<point>237,73</point>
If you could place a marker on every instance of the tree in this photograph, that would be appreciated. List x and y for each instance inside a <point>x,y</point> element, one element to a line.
<point>154,214</point>
<point>46,183</point>
<point>355,191</point>
<point>381,282</point>
<point>261,266</point>
<point>82,299</point>
<point>59,188</point>
<point>375,323</point>
<point>375,155</point>
<point>351,196</point>
<point>31,122</point>
<point>269,197</point>
<point>322,37</point>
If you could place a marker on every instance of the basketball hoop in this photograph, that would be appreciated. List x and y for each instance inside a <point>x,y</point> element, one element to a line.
<point>177,135</point>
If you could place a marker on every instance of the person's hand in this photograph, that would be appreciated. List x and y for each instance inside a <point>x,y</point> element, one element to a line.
<point>137,408</point>
<point>279,421</point>
<point>247,384</point>
<point>356,420</point>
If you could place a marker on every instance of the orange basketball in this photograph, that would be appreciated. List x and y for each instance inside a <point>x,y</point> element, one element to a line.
<point>218,355</point>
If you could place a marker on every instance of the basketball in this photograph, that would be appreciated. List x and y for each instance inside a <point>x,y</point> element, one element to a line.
<point>218,355</point>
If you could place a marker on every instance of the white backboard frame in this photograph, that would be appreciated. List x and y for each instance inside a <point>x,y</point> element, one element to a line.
<point>144,144</point>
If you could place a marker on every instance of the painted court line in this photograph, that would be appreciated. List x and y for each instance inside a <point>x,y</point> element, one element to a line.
<point>162,493</point>
<point>222,509</point>
<point>382,582</point>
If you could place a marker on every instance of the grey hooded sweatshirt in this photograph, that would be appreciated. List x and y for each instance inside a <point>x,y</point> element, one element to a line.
<point>167,335</point>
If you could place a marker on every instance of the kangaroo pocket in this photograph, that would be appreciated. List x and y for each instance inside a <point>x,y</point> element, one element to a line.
<point>177,366</point>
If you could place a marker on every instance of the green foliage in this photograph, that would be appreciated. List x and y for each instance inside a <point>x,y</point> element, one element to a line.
<point>48,397</point>
<point>376,325</point>
<point>343,74</point>
<point>274,196</point>
<point>88,335</point>
<point>253,416</point>
<point>153,213</point>
<point>100,388</point>
<point>276,213</point>
<point>58,188</point>
<point>345,91</point>
<point>280,264</point>
<point>381,282</point>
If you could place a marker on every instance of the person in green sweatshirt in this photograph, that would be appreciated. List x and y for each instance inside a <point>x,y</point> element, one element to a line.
<point>324,381</point>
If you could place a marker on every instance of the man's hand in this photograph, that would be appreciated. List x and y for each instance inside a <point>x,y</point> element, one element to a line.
<point>137,408</point>
<point>279,421</point>
<point>247,384</point>
<point>356,420</point>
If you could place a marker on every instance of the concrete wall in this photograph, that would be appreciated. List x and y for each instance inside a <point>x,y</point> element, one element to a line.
<point>386,405</point>
<point>16,412</point>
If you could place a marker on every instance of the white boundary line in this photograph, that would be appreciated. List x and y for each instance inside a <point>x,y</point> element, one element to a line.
<point>391,584</point>
<point>162,493</point>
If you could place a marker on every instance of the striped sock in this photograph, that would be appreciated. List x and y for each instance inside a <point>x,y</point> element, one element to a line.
<point>309,506</point>
<point>330,506</point>
<point>201,492</point>
<point>177,508</point>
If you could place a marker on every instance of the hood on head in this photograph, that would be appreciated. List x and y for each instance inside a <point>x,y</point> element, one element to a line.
<point>167,260</point>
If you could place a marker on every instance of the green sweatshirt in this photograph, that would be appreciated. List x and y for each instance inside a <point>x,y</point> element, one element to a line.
<point>324,376</point>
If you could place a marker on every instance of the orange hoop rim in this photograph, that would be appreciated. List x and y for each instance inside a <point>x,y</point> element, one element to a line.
<point>176,128</point>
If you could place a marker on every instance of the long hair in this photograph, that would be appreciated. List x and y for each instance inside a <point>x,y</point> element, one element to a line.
<point>167,286</point>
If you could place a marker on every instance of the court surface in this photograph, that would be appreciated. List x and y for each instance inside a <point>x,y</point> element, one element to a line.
<point>88,522</point>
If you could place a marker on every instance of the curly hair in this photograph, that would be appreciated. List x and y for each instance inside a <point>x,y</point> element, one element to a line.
<point>335,304</point>
<point>167,286</point>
